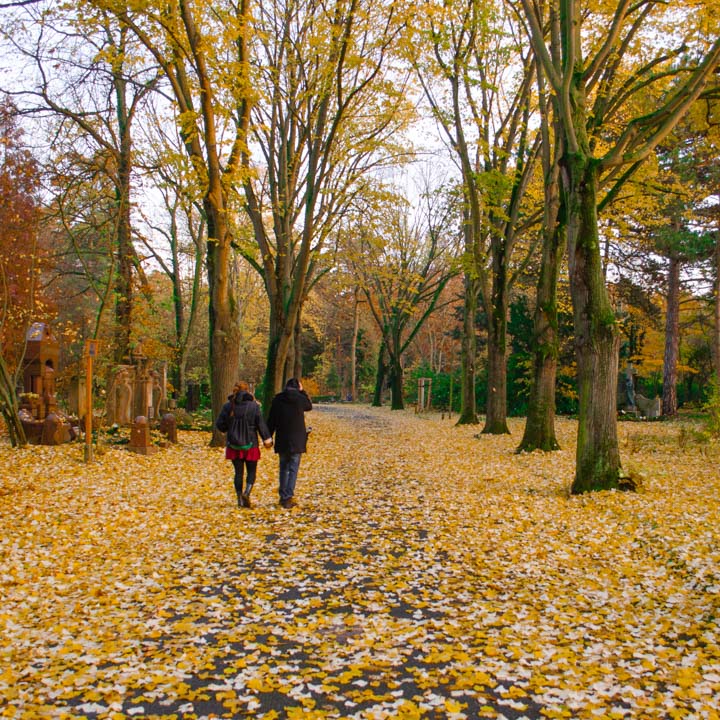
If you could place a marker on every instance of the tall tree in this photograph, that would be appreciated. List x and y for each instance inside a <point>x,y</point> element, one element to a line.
<point>19,261</point>
<point>403,265</point>
<point>329,109</point>
<point>482,102</point>
<point>539,431</point>
<point>182,226</point>
<point>91,79</point>
<point>594,76</point>
<point>203,54</point>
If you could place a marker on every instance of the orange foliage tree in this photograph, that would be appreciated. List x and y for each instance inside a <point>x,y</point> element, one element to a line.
<point>19,261</point>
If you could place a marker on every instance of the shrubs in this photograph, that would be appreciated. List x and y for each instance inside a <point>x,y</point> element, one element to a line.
<point>712,408</point>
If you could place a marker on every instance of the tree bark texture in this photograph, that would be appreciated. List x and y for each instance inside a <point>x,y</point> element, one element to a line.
<point>396,384</point>
<point>596,337</point>
<point>297,348</point>
<point>274,369</point>
<point>353,348</point>
<point>380,376</point>
<point>496,411</point>
<point>123,281</point>
<point>672,339</point>
<point>223,311</point>
<point>540,424</point>
<point>468,353</point>
<point>716,329</point>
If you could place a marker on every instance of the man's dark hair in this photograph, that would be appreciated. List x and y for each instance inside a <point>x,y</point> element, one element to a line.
<point>293,383</point>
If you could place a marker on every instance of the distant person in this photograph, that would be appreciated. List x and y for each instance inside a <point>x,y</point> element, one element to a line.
<point>286,421</point>
<point>242,421</point>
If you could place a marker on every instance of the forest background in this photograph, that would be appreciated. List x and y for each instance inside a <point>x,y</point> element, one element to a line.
<point>480,194</point>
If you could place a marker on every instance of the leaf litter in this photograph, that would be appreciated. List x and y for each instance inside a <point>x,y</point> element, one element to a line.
<point>428,572</point>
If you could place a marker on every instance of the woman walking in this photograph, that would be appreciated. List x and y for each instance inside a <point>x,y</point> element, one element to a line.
<point>242,420</point>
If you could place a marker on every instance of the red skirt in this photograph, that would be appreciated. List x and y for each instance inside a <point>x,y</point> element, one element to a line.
<point>251,454</point>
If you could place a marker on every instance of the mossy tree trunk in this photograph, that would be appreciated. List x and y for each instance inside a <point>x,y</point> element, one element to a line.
<point>380,375</point>
<point>716,327</point>
<point>468,355</point>
<point>596,337</point>
<point>397,375</point>
<point>497,311</point>
<point>540,424</point>
<point>223,311</point>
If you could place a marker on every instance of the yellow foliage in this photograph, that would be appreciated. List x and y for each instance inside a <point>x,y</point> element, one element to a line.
<point>427,572</point>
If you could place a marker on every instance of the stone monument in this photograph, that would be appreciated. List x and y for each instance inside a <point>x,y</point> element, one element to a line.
<point>140,440</point>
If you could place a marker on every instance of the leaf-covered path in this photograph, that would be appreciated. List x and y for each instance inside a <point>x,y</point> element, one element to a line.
<point>428,573</point>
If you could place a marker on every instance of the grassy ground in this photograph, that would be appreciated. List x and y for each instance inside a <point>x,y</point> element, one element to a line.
<point>427,572</point>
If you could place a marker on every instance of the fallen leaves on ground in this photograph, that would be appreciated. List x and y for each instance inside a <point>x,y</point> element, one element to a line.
<point>428,572</point>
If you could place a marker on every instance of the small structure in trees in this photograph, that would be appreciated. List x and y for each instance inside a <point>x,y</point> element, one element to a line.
<point>136,390</point>
<point>38,401</point>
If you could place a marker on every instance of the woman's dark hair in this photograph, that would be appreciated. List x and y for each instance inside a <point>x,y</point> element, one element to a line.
<point>293,383</point>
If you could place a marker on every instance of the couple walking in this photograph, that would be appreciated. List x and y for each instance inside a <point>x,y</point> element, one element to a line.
<point>242,420</point>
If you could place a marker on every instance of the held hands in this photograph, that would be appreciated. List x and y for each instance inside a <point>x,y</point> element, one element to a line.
<point>268,443</point>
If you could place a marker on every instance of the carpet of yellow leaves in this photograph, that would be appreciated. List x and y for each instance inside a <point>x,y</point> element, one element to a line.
<point>429,572</point>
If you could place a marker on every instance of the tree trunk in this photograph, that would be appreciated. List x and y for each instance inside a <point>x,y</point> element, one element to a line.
<point>353,348</point>
<point>672,339</point>
<point>380,376</point>
<point>281,356</point>
<point>223,311</point>
<point>285,309</point>
<point>496,412</point>
<point>180,373</point>
<point>123,281</point>
<point>9,405</point>
<point>468,352</point>
<point>289,369</point>
<point>716,328</point>
<point>596,338</point>
<point>272,382</point>
<point>540,424</point>
<point>396,384</point>
<point>297,349</point>
<point>177,370</point>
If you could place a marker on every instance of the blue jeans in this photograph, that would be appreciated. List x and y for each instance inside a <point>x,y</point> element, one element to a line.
<point>289,466</point>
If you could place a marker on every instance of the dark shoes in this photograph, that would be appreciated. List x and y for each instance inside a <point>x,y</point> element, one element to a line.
<point>289,503</point>
<point>246,501</point>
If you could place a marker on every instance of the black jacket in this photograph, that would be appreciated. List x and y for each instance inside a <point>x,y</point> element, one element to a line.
<point>244,404</point>
<point>287,420</point>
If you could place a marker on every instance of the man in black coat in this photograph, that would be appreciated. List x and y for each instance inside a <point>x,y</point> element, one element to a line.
<point>287,422</point>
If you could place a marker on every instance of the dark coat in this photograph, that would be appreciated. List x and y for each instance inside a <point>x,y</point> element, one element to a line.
<point>287,420</point>
<point>244,404</point>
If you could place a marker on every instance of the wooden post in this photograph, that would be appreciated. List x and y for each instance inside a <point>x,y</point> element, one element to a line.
<point>90,352</point>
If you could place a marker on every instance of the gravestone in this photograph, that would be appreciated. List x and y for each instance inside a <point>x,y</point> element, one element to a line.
<point>168,427</point>
<point>140,440</point>
<point>651,408</point>
<point>54,431</point>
